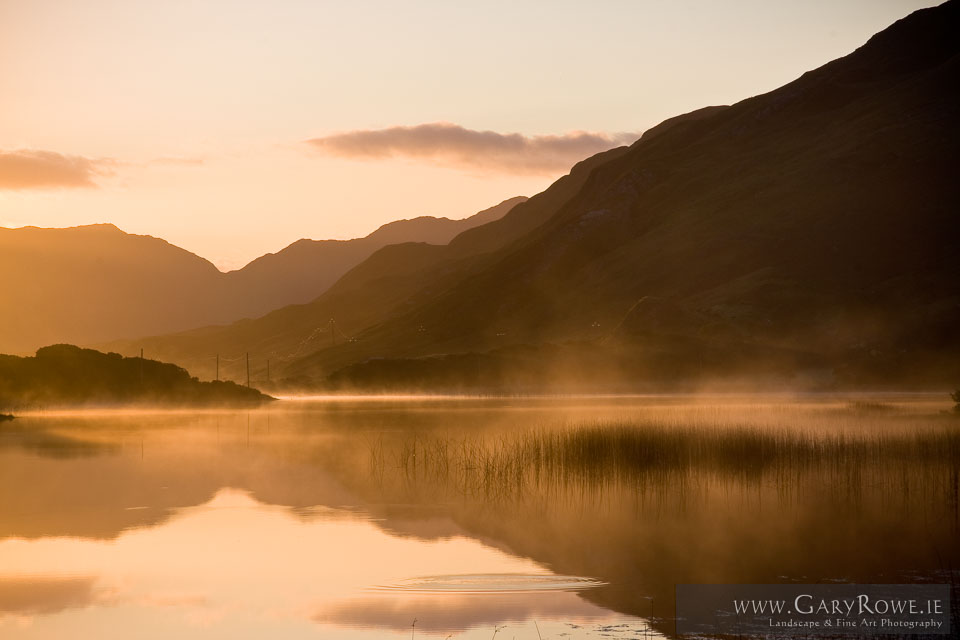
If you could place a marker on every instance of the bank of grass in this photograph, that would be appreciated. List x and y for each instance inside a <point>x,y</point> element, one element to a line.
<point>625,448</point>
<point>651,454</point>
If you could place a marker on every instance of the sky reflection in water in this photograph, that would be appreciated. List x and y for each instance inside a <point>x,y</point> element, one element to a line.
<point>353,519</point>
<point>238,566</point>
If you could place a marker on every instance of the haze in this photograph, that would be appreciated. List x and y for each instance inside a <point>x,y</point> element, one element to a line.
<point>210,124</point>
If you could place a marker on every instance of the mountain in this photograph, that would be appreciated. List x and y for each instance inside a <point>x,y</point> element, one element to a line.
<point>393,278</point>
<point>65,375</point>
<point>806,235</point>
<point>96,283</point>
<point>305,269</point>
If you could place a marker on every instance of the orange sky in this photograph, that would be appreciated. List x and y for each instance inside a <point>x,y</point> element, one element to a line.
<point>233,128</point>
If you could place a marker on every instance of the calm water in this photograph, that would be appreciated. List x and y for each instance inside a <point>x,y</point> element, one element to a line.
<point>459,518</point>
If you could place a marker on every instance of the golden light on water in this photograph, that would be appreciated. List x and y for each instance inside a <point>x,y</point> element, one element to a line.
<point>354,518</point>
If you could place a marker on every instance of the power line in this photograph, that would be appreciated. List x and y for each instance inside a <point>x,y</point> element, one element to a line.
<point>331,326</point>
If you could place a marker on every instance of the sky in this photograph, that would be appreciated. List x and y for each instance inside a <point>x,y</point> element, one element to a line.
<point>233,128</point>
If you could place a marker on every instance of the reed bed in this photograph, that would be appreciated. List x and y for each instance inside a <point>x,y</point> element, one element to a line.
<point>665,455</point>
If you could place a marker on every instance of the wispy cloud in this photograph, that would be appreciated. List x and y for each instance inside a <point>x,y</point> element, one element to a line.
<point>34,169</point>
<point>452,145</point>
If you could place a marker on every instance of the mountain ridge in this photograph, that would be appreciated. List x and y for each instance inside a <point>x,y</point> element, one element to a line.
<point>390,278</point>
<point>781,221</point>
<point>807,232</point>
<point>93,283</point>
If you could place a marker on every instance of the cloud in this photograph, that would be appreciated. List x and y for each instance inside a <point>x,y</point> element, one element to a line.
<point>32,169</point>
<point>452,145</point>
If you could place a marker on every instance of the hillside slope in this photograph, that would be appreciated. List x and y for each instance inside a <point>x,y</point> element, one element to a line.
<point>391,280</point>
<point>808,231</point>
<point>305,269</point>
<point>811,227</point>
<point>96,282</point>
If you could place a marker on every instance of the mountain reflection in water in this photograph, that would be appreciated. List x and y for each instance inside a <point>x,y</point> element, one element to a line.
<point>553,516</point>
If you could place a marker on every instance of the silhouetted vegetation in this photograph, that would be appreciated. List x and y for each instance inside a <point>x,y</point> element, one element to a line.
<point>956,398</point>
<point>65,375</point>
<point>663,453</point>
<point>5,416</point>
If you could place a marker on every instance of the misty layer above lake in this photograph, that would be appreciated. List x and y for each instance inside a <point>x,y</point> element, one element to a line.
<point>354,517</point>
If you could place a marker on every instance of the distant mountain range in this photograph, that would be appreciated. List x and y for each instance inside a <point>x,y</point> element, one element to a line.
<point>96,283</point>
<point>395,278</point>
<point>806,235</point>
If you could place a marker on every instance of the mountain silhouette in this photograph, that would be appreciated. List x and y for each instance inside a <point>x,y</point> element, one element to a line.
<point>305,269</point>
<point>96,283</point>
<point>809,231</point>
<point>393,278</point>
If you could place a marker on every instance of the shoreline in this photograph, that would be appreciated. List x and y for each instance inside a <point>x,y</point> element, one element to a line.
<point>936,403</point>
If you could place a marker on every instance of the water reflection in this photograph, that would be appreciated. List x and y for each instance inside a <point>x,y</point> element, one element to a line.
<point>452,614</point>
<point>234,558</point>
<point>353,519</point>
<point>14,435</point>
<point>30,595</point>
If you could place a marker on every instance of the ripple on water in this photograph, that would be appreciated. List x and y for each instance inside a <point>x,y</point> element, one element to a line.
<point>493,583</point>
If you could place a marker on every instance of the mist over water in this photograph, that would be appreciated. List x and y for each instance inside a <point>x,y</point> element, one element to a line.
<point>353,518</point>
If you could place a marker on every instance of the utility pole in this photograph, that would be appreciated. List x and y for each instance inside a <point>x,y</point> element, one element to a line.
<point>218,367</point>
<point>333,334</point>
<point>248,369</point>
<point>141,366</point>
<point>268,370</point>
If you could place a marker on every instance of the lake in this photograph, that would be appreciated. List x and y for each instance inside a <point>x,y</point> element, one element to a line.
<point>442,517</point>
